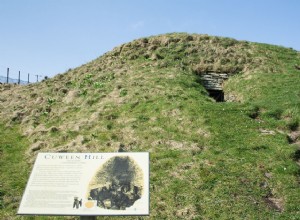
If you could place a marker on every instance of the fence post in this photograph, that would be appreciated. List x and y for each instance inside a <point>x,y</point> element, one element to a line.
<point>19,80</point>
<point>28,78</point>
<point>7,75</point>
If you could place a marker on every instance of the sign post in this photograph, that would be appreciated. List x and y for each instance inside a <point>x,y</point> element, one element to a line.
<point>88,217</point>
<point>88,185</point>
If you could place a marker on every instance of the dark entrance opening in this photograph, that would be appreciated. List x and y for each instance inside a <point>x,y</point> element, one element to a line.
<point>217,95</point>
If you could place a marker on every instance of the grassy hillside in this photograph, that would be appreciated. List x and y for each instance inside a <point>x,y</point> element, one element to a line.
<point>209,160</point>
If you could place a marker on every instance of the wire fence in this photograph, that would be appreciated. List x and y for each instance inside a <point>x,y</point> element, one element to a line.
<point>7,76</point>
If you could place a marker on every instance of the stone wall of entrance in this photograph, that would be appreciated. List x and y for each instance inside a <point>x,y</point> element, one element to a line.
<point>213,81</point>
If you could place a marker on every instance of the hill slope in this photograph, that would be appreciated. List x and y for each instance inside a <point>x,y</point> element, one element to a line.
<point>233,159</point>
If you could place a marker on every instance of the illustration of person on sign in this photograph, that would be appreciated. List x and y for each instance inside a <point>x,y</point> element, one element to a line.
<point>77,203</point>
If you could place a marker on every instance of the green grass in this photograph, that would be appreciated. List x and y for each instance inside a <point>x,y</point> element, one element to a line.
<point>208,160</point>
<point>13,168</point>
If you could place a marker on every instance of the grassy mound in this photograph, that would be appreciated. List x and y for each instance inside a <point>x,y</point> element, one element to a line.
<point>209,160</point>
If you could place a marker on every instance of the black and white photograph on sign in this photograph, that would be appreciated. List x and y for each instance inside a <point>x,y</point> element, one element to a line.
<point>88,184</point>
<point>118,184</point>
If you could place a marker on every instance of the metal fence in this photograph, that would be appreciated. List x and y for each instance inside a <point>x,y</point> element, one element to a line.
<point>5,78</point>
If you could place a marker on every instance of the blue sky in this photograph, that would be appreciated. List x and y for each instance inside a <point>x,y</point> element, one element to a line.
<point>47,37</point>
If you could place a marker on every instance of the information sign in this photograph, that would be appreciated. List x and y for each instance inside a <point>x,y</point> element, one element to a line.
<point>88,184</point>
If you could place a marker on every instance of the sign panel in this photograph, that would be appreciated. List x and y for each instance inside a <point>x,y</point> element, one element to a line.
<point>88,184</point>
